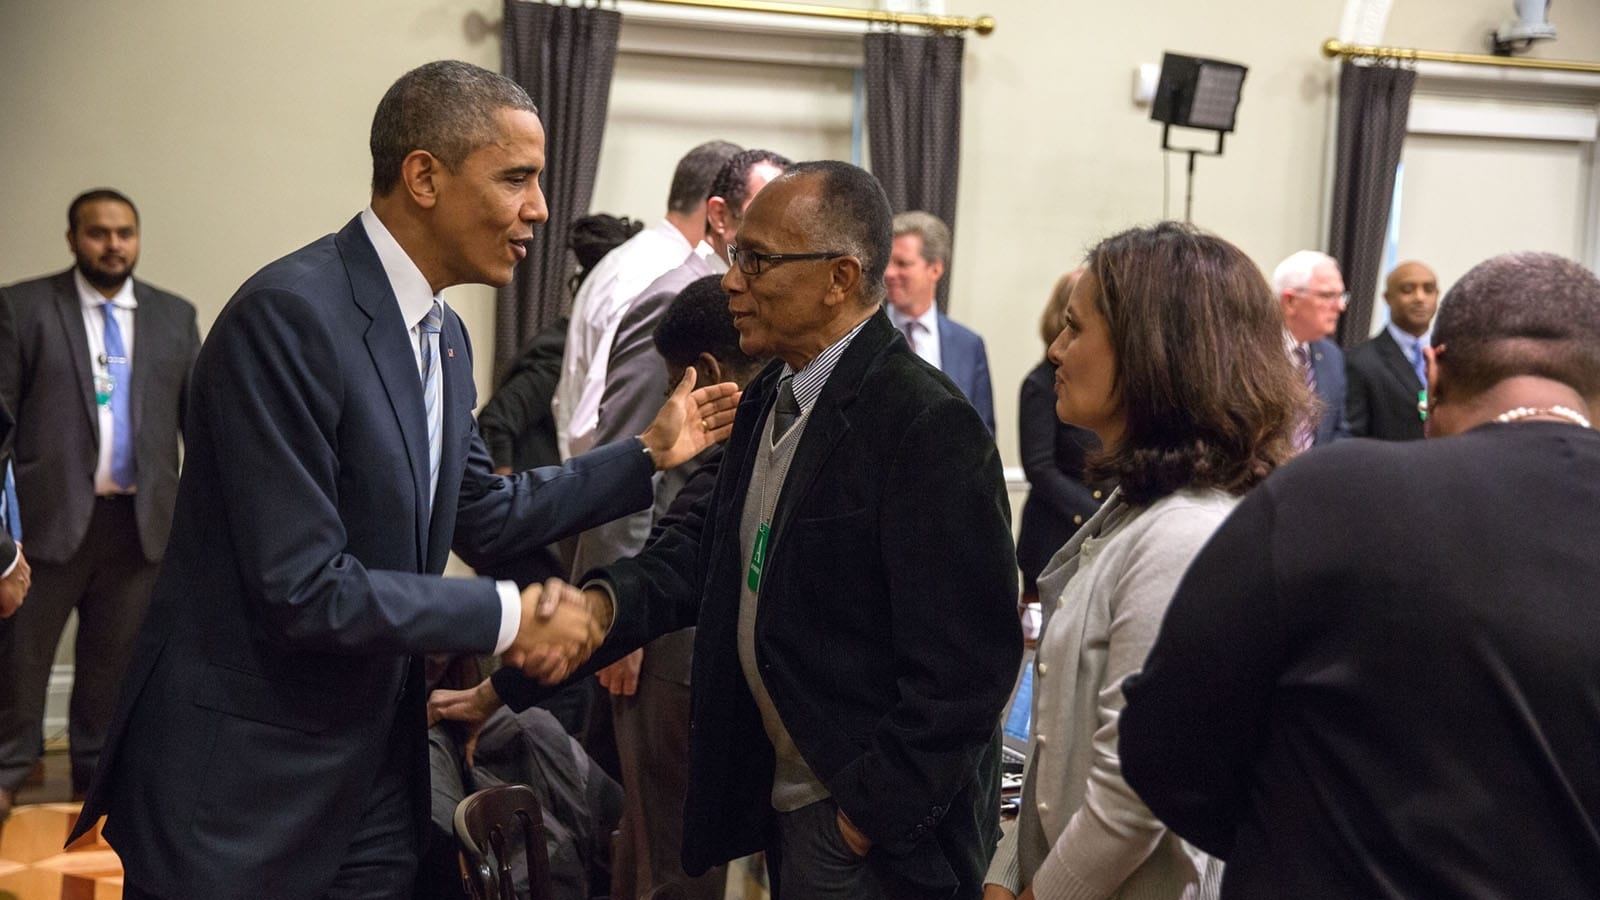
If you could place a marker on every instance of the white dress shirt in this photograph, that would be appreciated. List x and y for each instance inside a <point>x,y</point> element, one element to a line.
<point>123,303</point>
<point>416,299</point>
<point>604,298</point>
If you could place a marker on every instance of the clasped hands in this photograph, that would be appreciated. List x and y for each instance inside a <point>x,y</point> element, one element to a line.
<point>561,627</point>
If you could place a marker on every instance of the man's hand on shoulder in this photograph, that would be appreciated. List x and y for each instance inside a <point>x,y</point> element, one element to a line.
<point>561,627</point>
<point>690,421</point>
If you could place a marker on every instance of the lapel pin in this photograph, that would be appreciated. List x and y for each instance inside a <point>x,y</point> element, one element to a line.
<point>450,352</point>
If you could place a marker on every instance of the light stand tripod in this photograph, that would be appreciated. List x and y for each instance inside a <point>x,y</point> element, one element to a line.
<point>1188,190</point>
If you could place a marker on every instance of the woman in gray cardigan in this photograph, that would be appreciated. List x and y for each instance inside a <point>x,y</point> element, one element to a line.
<point>1173,356</point>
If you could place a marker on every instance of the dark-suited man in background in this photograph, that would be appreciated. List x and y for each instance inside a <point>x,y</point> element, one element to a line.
<point>270,738</point>
<point>852,576</point>
<point>1388,380</point>
<point>96,374</point>
<point>920,255</point>
<point>1311,289</point>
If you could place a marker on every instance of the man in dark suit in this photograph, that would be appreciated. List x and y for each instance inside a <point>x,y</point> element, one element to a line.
<point>1312,292</point>
<point>96,373</point>
<point>921,253</point>
<point>270,737</point>
<point>852,577</point>
<point>1387,392</point>
<point>1374,715</point>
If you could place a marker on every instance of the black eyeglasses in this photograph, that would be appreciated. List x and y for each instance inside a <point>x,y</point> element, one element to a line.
<point>753,263</point>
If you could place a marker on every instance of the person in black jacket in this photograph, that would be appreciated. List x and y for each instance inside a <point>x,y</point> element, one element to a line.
<point>696,331</point>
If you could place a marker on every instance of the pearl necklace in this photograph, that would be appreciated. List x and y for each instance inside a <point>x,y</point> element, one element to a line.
<point>1529,412</point>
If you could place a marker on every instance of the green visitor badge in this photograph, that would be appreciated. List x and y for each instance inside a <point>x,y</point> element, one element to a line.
<point>758,555</point>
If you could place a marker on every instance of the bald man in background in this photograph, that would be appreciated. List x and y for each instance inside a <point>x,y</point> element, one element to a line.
<point>1386,379</point>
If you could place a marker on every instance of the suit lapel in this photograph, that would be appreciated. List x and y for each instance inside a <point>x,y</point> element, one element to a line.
<point>829,420</point>
<point>69,311</point>
<point>1395,359</point>
<point>145,334</point>
<point>388,341</point>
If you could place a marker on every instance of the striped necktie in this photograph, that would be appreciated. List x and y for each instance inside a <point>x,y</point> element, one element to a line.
<point>432,399</point>
<point>1308,434</point>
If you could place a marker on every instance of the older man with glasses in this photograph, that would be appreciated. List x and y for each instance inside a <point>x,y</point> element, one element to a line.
<point>1312,291</point>
<point>852,576</point>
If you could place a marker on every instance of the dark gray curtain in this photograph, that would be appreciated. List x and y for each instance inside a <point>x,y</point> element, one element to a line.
<point>563,56</point>
<point>1373,104</point>
<point>914,123</point>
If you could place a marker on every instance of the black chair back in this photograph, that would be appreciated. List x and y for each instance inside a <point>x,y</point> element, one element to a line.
<point>500,831</point>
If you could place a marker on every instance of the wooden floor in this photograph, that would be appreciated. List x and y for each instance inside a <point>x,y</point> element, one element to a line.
<point>33,865</point>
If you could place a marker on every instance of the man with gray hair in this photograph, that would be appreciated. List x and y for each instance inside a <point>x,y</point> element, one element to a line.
<point>1311,289</point>
<point>1395,716</point>
<point>649,838</point>
<point>270,735</point>
<point>921,254</point>
<point>852,576</point>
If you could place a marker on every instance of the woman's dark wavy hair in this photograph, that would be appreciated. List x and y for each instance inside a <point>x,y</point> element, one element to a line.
<point>1208,394</point>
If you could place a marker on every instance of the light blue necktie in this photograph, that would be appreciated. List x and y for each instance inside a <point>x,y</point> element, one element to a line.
<point>122,467</point>
<point>10,516</point>
<point>432,401</point>
<point>1419,363</point>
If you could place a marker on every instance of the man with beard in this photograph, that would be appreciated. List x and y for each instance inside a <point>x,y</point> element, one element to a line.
<point>95,372</point>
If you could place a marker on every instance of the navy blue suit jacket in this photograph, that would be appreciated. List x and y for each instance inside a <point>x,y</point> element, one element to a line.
<point>278,662</point>
<point>963,359</point>
<point>1327,360</point>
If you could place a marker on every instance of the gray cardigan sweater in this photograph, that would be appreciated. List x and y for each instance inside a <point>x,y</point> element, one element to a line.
<point>1082,832</point>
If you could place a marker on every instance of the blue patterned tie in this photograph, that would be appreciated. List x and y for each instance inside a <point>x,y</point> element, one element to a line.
<point>432,401</point>
<point>1420,363</point>
<point>9,514</point>
<point>122,467</point>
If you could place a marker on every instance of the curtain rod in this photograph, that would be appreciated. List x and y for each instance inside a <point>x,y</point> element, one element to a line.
<point>1332,48</point>
<point>983,25</point>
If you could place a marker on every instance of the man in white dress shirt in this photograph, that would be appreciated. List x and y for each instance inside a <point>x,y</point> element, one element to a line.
<point>620,276</point>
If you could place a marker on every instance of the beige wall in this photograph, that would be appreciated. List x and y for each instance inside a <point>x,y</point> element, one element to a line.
<point>241,130</point>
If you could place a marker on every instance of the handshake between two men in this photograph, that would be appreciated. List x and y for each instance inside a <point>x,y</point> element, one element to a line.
<point>562,626</point>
